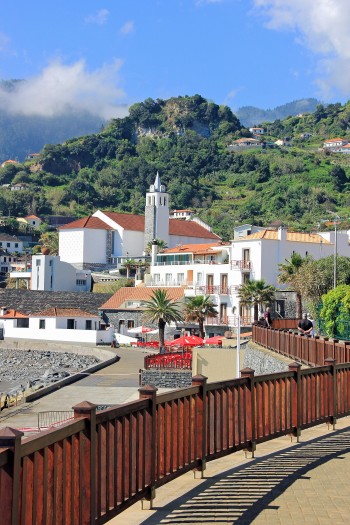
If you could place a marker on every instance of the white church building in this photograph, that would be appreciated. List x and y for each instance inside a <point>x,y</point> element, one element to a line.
<point>108,238</point>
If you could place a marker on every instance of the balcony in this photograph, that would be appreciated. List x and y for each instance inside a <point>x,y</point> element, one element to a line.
<point>243,266</point>
<point>228,320</point>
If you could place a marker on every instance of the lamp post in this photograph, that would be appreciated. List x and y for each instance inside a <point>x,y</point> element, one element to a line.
<point>238,340</point>
<point>183,342</point>
<point>336,219</point>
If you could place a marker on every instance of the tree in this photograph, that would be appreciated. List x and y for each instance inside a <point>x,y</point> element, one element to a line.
<point>256,293</point>
<point>317,278</point>
<point>162,245</point>
<point>334,316</point>
<point>198,308</point>
<point>50,240</point>
<point>161,309</point>
<point>288,274</point>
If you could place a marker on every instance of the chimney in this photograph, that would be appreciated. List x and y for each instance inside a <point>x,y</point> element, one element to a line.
<point>3,310</point>
<point>282,233</point>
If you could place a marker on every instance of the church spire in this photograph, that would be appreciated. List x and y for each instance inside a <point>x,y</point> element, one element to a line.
<point>157,187</point>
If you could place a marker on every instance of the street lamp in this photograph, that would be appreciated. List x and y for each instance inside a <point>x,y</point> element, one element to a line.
<point>336,219</point>
<point>238,365</point>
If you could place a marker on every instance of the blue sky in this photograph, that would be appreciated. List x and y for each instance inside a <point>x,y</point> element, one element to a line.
<point>105,54</point>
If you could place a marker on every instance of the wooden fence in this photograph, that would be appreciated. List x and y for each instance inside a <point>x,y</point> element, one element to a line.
<point>312,351</point>
<point>89,470</point>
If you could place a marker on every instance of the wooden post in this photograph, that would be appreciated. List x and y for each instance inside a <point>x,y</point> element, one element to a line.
<point>201,406</point>
<point>88,492</point>
<point>249,374</point>
<point>150,392</point>
<point>11,474</point>
<point>333,406</point>
<point>296,399</point>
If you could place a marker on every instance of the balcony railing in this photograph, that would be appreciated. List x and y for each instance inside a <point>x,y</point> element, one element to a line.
<point>241,265</point>
<point>228,320</point>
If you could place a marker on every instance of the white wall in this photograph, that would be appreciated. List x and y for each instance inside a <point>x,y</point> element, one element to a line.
<point>71,245</point>
<point>133,243</point>
<point>53,333</point>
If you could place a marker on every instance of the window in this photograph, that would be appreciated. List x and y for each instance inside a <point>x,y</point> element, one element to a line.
<point>22,323</point>
<point>88,324</point>
<point>8,244</point>
<point>180,278</point>
<point>156,278</point>
<point>70,324</point>
<point>16,244</point>
<point>131,323</point>
<point>168,277</point>
<point>42,324</point>
<point>50,263</point>
<point>81,282</point>
<point>38,262</point>
<point>4,259</point>
<point>4,269</point>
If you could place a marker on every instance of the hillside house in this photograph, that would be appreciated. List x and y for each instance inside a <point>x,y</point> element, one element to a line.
<point>257,131</point>
<point>11,243</point>
<point>332,144</point>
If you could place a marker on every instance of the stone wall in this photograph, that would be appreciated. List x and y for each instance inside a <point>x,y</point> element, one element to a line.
<point>263,361</point>
<point>166,378</point>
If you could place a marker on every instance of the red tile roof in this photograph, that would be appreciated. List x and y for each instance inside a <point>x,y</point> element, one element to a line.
<point>137,223</point>
<point>139,293</point>
<point>272,235</point>
<point>64,312</point>
<point>127,221</point>
<point>190,229</point>
<point>32,217</point>
<point>86,222</point>
<point>13,314</point>
<point>199,249</point>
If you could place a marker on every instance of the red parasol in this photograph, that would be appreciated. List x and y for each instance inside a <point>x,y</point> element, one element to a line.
<point>216,340</point>
<point>187,340</point>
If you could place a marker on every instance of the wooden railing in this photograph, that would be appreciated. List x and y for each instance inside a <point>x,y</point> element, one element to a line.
<point>89,470</point>
<point>312,351</point>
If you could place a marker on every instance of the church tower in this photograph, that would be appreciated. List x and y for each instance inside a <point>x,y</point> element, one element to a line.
<point>157,213</point>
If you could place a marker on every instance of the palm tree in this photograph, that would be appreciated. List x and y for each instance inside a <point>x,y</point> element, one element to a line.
<point>198,308</point>
<point>255,293</point>
<point>161,310</point>
<point>162,245</point>
<point>288,273</point>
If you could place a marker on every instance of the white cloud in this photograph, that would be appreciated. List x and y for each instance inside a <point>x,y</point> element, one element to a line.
<point>4,41</point>
<point>323,26</point>
<point>99,18</point>
<point>62,87</point>
<point>127,28</point>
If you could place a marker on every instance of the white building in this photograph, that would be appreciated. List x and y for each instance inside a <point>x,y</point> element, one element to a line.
<point>334,143</point>
<point>219,269</point>
<point>71,325</point>
<point>11,243</point>
<point>257,131</point>
<point>50,274</point>
<point>108,238</point>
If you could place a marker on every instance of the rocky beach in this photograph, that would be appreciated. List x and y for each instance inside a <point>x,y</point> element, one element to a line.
<point>23,368</point>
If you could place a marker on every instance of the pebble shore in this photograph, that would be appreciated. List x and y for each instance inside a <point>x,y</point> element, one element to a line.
<point>23,368</point>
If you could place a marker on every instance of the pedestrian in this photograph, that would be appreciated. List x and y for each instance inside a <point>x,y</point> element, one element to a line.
<point>312,333</point>
<point>267,318</point>
<point>305,326</point>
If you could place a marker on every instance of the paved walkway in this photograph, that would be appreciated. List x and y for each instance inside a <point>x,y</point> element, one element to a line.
<point>286,483</point>
<point>115,384</point>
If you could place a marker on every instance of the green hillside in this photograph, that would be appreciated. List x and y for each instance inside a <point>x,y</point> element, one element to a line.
<point>186,139</point>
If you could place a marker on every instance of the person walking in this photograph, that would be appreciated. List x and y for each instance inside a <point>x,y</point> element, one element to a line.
<point>305,326</point>
<point>267,317</point>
